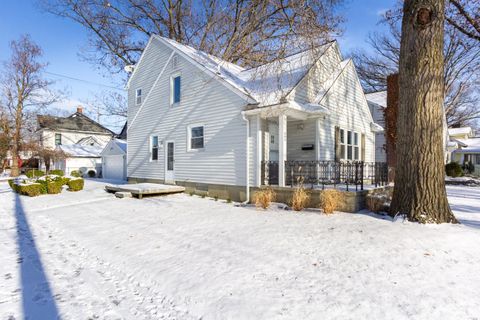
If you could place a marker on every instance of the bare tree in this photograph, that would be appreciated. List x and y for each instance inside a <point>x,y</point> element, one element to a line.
<point>420,176</point>
<point>246,32</point>
<point>461,71</point>
<point>23,89</point>
<point>464,15</point>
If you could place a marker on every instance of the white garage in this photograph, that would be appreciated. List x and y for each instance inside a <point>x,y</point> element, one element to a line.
<point>114,160</point>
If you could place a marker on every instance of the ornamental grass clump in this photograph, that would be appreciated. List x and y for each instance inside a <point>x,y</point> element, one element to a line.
<point>263,198</point>
<point>300,199</point>
<point>330,200</point>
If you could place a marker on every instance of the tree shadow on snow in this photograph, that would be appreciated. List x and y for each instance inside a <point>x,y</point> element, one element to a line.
<point>37,298</point>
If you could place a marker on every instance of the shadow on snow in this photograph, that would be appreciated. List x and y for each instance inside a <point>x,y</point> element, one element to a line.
<point>37,298</point>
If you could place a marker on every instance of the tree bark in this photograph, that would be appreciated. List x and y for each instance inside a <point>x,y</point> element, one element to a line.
<point>420,175</point>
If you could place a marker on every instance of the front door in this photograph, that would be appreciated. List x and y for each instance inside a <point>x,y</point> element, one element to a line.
<point>170,162</point>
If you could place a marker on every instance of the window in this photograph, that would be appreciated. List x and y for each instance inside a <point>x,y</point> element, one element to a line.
<point>349,147</point>
<point>175,89</point>
<point>138,96</point>
<point>196,137</point>
<point>154,151</point>
<point>272,139</point>
<point>58,139</point>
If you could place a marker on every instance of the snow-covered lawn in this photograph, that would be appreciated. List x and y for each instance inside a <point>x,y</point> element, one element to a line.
<point>88,255</point>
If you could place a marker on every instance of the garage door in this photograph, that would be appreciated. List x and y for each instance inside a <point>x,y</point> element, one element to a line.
<point>113,167</point>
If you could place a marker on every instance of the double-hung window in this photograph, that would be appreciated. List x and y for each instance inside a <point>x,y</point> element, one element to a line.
<point>138,96</point>
<point>175,89</point>
<point>58,139</point>
<point>154,146</point>
<point>349,145</point>
<point>196,137</point>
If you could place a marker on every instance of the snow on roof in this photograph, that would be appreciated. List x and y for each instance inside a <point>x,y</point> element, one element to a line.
<point>267,83</point>
<point>81,151</point>
<point>457,131</point>
<point>379,97</point>
<point>472,145</point>
<point>122,144</point>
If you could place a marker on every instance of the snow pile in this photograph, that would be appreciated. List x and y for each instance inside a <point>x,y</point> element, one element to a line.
<point>90,255</point>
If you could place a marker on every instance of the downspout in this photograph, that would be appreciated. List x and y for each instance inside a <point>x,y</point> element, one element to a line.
<point>247,191</point>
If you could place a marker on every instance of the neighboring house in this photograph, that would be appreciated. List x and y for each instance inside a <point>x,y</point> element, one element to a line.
<point>75,130</point>
<point>198,121</point>
<point>466,147</point>
<point>114,160</point>
<point>460,133</point>
<point>83,158</point>
<point>377,102</point>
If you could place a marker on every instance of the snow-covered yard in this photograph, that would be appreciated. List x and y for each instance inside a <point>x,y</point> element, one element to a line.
<point>88,255</point>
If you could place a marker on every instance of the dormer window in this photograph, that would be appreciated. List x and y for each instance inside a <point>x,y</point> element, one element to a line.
<point>138,96</point>
<point>175,90</point>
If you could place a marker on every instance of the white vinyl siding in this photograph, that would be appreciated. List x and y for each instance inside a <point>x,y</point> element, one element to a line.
<point>203,100</point>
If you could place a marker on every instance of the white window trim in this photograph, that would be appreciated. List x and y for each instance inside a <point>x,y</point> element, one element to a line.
<point>138,96</point>
<point>189,137</point>
<point>150,149</point>
<point>172,77</point>
<point>352,144</point>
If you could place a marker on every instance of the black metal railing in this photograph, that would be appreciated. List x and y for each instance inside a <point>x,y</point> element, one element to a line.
<point>323,173</point>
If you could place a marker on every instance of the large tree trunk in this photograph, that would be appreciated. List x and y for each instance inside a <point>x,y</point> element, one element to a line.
<point>420,176</point>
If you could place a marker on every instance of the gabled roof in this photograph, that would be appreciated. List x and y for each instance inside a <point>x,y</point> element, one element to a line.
<point>75,122</point>
<point>264,85</point>
<point>462,130</point>
<point>79,151</point>
<point>379,98</point>
<point>115,144</point>
<point>472,145</point>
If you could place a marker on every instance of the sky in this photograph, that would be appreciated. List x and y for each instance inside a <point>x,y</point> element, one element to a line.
<point>62,40</point>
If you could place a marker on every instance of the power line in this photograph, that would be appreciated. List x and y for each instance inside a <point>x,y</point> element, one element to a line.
<point>82,80</point>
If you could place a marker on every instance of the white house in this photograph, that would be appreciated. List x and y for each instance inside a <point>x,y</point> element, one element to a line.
<point>377,102</point>
<point>199,121</point>
<point>74,135</point>
<point>114,160</point>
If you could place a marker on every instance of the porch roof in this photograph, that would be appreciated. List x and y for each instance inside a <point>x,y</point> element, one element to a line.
<point>296,110</point>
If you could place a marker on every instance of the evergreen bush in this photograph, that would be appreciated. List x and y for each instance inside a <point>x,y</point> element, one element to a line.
<point>453,169</point>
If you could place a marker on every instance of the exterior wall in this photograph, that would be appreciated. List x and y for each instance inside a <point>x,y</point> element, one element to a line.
<point>377,114</point>
<point>83,164</point>
<point>348,110</point>
<point>204,101</point>
<point>308,88</point>
<point>298,134</point>
<point>70,137</point>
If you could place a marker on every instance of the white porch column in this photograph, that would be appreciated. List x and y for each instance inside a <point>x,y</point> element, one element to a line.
<point>258,167</point>
<point>282,148</point>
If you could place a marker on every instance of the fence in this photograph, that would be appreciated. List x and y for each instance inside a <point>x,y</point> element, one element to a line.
<point>322,173</point>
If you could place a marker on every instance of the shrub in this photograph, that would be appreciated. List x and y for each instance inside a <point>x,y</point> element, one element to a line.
<point>91,173</point>
<point>203,195</point>
<point>30,189</point>
<point>330,200</point>
<point>43,186</point>
<point>468,167</point>
<point>76,173</point>
<point>13,185</point>
<point>263,198</point>
<point>54,186</point>
<point>35,173</point>
<point>57,172</point>
<point>215,198</point>
<point>300,198</point>
<point>229,200</point>
<point>75,184</point>
<point>453,169</point>
<point>191,193</point>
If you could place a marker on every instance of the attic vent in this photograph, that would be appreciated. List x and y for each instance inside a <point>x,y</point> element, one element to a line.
<point>175,62</point>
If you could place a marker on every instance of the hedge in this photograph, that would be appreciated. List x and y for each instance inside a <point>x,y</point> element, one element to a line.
<point>76,173</point>
<point>35,173</point>
<point>75,184</point>
<point>57,172</point>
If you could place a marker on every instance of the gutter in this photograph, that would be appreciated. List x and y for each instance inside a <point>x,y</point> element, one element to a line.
<point>247,184</point>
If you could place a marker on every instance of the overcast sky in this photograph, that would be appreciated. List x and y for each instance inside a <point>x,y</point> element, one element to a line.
<point>61,41</point>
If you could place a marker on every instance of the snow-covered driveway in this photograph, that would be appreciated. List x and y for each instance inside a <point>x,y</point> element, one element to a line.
<point>88,255</point>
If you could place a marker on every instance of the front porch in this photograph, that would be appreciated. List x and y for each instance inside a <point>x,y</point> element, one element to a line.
<point>301,144</point>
